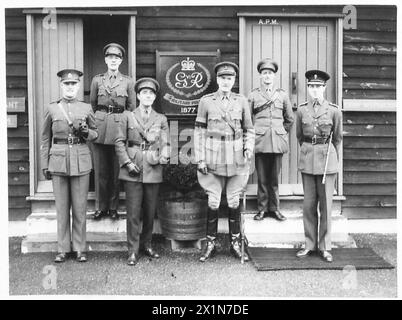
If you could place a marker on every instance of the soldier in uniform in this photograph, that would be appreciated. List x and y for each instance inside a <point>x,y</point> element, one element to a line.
<point>111,93</point>
<point>142,146</point>
<point>319,132</point>
<point>224,143</point>
<point>66,159</point>
<point>272,117</point>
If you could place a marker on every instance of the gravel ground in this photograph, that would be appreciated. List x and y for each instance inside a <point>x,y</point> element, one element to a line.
<point>180,274</point>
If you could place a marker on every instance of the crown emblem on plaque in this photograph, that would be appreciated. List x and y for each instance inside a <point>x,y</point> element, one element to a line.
<point>188,65</point>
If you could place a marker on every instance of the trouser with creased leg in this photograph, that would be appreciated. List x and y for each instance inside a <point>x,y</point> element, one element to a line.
<point>268,167</point>
<point>140,197</point>
<point>107,184</point>
<point>317,230</point>
<point>71,192</point>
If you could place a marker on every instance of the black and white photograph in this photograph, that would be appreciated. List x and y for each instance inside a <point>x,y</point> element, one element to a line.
<point>199,150</point>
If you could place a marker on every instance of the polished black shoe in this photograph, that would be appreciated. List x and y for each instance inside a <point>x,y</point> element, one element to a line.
<point>303,253</point>
<point>60,257</point>
<point>209,251</point>
<point>150,253</point>
<point>327,256</point>
<point>277,215</point>
<point>99,214</point>
<point>235,249</point>
<point>132,259</point>
<point>259,216</point>
<point>81,256</point>
<point>113,214</point>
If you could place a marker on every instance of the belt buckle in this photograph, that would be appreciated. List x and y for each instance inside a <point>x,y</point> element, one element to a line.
<point>110,109</point>
<point>142,145</point>
<point>70,140</point>
<point>314,139</point>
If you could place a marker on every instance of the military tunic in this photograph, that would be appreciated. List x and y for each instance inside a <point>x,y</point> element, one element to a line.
<point>313,129</point>
<point>141,190</point>
<point>222,134</point>
<point>273,118</point>
<point>110,95</point>
<point>70,165</point>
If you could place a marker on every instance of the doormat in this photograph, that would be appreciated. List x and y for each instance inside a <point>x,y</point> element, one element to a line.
<point>269,259</point>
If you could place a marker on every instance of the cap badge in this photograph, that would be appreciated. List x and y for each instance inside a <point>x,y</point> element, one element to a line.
<point>315,76</point>
<point>69,76</point>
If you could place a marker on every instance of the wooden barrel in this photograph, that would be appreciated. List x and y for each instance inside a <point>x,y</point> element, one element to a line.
<point>181,220</point>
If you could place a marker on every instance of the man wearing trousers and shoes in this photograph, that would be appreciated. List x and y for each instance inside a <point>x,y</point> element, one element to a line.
<point>319,132</point>
<point>142,146</point>
<point>66,160</point>
<point>224,143</point>
<point>111,94</point>
<point>272,115</point>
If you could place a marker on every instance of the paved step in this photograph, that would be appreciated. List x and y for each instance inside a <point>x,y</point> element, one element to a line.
<point>290,233</point>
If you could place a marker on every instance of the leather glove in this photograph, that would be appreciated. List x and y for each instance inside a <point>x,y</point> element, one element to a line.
<point>247,155</point>
<point>133,169</point>
<point>163,160</point>
<point>83,130</point>
<point>47,174</point>
<point>202,167</point>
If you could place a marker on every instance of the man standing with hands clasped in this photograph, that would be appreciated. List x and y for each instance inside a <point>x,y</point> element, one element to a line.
<point>272,117</point>
<point>319,132</point>
<point>142,147</point>
<point>224,143</point>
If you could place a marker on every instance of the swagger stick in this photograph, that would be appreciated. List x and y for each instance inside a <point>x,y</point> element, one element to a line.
<point>326,160</point>
<point>241,215</point>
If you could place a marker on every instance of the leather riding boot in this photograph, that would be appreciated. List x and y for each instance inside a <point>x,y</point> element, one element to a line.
<point>212,223</point>
<point>235,236</point>
<point>209,251</point>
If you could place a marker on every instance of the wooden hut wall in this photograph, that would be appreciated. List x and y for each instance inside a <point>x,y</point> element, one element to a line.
<point>17,138</point>
<point>369,67</point>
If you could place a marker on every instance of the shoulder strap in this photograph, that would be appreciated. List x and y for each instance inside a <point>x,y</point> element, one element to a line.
<point>228,121</point>
<point>139,127</point>
<point>268,103</point>
<point>70,123</point>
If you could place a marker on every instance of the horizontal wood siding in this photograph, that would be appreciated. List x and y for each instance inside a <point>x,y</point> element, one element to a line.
<point>369,71</point>
<point>369,164</point>
<point>18,139</point>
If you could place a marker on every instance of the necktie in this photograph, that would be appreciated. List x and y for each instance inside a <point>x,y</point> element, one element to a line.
<point>315,106</point>
<point>225,101</point>
<point>146,115</point>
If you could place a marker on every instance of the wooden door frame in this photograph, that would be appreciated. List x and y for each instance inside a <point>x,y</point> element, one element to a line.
<point>338,19</point>
<point>32,123</point>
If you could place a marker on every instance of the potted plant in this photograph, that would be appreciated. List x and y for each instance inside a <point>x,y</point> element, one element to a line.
<point>183,205</point>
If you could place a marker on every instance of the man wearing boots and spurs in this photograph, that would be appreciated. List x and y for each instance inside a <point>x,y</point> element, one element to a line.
<point>224,143</point>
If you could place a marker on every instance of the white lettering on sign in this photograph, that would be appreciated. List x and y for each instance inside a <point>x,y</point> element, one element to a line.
<point>16,104</point>
<point>268,21</point>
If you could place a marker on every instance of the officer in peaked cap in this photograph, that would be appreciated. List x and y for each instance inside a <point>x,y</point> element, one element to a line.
<point>142,146</point>
<point>111,94</point>
<point>223,143</point>
<point>273,118</point>
<point>319,132</point>
<point>268,64</point>
<point>66,160</point>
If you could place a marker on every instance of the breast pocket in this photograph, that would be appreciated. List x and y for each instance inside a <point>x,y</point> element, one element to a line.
<point>215,123</point>
<point>277,112</point>
<point>58,161</point>
<point>84,160</point>
<point>59,126</point>
<point>121,92</point>
<point>325,125</point>
<point>102,91</point>
<point>236,116</point>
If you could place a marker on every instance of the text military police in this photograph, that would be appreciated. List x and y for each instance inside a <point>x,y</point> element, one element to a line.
<point>319,132</point>
<point>66,159</point>
<point>224,143</point>
<point>142,146</point>
<point>273,118</point>
<point>111,93</point>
